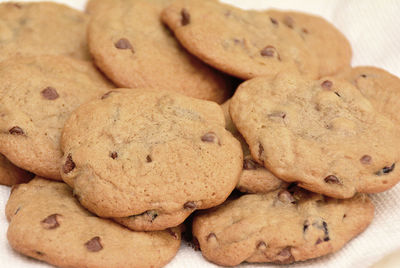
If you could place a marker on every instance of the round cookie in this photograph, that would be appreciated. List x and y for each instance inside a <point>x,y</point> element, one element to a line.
<point>30,29</point>
<point>283,227</point>
<point>10,174</point>
<point>150,157</point>
<point>242,43</point>
<point>133,48</point>
<point>328,43</point>
<point>378,86</point>
<point>321,133</point>
<point>48,224</point>
<point>37,94</point>
<point>255,178</point>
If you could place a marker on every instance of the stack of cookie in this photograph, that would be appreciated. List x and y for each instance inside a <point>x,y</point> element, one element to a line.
<point>123,116</point>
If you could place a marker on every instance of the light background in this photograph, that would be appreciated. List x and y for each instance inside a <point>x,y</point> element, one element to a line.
<point>373,28</point>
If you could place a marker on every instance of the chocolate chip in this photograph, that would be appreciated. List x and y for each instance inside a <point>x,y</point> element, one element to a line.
<point>189,205</point>
<point>319,241</point>
<point>209,137</point>
<point>113,155</point>
<point>325,228</point>
<point>94,244</point>
<point>106,95</point>
<point>326,239</point>
<point>289,22</point>
<point>332,179</point>
<point>69,165</point>
<point>124,43</point>
<point>185,17</point>
<point>260,150</point>
<point>50,93</point>
<point>285,197</point>
<point>250,164</point>
<point>327,84</point>
<point>305,225</point>
<point>366,159</point>
<point>148,159</point>
<point>363,76</point>
<point>16,212</point>
<point>278,114</point>
<point>51,222</point>
<point>16,131</point>
<point>152,215</point>
<point>385,170</point>
<point>39,253</point>
<point>285,256</point>
<point>274,21</point>
<point>337,94</point>
<point>210,236</point>
<point>172,233</point>
<point>261,245</point>
<point>268,51</point>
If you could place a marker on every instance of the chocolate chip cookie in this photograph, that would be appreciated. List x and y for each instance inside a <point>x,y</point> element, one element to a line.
<point>30,29</point>
<point>379,86</point>
<point>323,134</point>
<point>10,174</point>
<point>255,178</point>
<point>133,48</point>
<point>48,224</point>
<point>150,157</point>
<point>242,43</point>
<point>283,226</point>
<point>328,43</point>
<point>37,94</point>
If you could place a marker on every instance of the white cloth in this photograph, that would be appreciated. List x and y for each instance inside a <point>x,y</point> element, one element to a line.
<point>373,28</point>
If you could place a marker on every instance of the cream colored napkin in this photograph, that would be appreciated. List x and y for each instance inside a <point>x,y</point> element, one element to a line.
<point>373,28</point>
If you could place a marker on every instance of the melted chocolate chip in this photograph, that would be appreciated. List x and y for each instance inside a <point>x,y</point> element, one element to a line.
<point>124,43</point>
<point>148,159</point>
<point>337,94</point>
<point>50,93</point>
<point>305,225</point>
<point>366,159</point>
<point>285,256</point>
<point>274,21</point>
<point>268,51</point>
<point>185,17</point>
<point>331,179</point>
<point>327,84</point>
<point>16,131</point>
<point>386,170</point>
<point>363,76</point>
<point>189,205</point>
<point>261,245</point>
<point>289,22</point>
<point>250,164</point>
<point>94,244</point>
<point>51,222</point>
<point>209,137</point>
<point>210,236</point>
<point>113,155</point>
<point>69,165</point>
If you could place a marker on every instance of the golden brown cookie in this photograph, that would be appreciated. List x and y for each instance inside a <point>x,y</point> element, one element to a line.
<point>242,43</point>
<point>255,178</point>
<point>30,29</point>
<point>10,174</point>
<point>37,94</point>
<point>48,224</point>
<point>323,134</point>
<point>150,157</point>
<point>283,227</point>
<point>133,48</point>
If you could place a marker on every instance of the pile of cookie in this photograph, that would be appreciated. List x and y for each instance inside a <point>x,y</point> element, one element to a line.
<point>124,126</point>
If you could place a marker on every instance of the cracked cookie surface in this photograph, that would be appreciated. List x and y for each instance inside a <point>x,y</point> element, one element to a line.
<point>37,95</point>
<point>321,133</point>
<point>48,223</point>
<point>242,43</point>
<point>152,156</point>
<point>283,226</point>
<point>30,29</point>
<point>134,49</point>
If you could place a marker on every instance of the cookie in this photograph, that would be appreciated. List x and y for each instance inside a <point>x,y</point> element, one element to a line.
<point>241,43</point>
<point>10,174</point>
<point>37,94</point>
<point>283,226</point>
<point>151,157</point>
<point>31,29</point>
<point>255,178</point>
<point>48,224</point>
<point>321,133</point>
<point>134,49</point>
<point>324,39</point>
<point>379,86</point>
